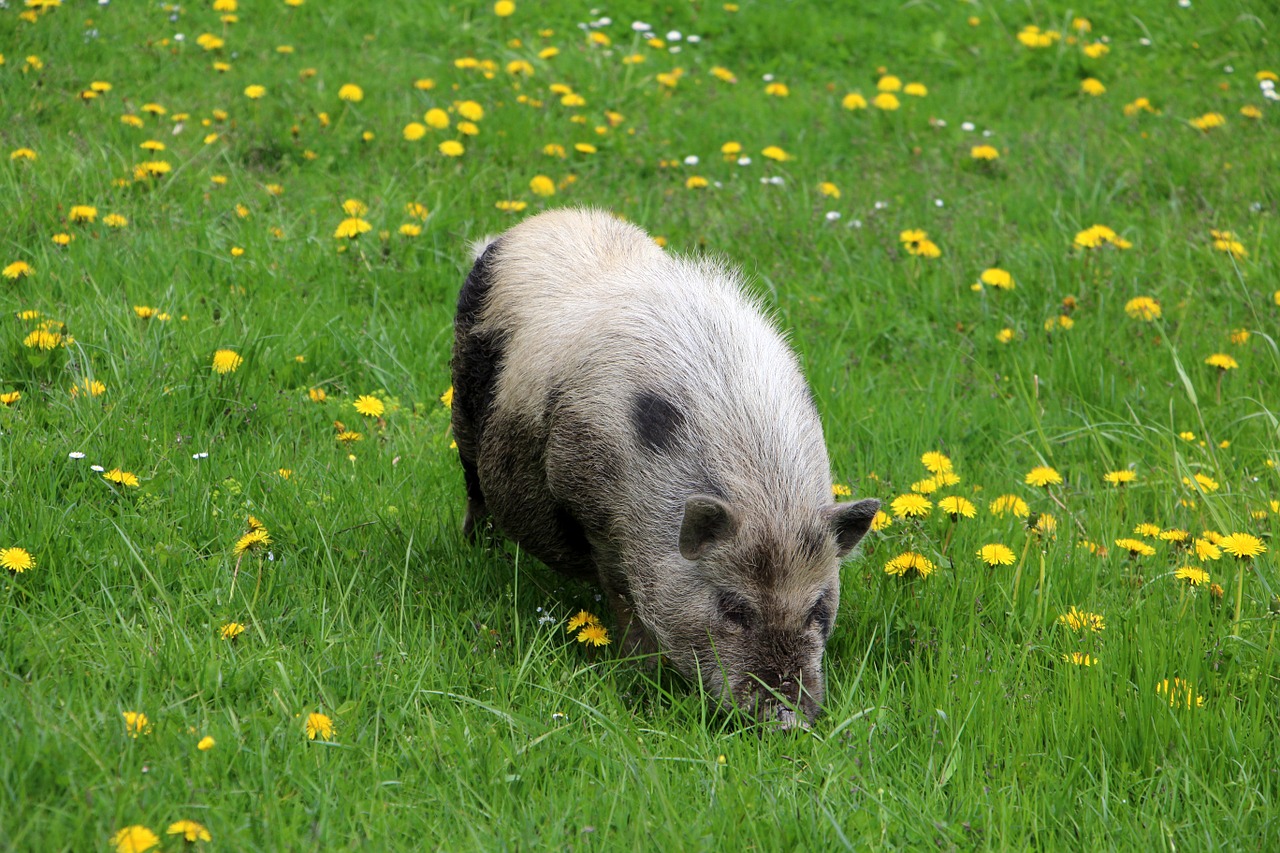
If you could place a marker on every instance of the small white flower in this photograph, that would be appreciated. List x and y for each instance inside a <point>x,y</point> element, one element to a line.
<point>98,468</point>
<point>675,48</point>
<point>694,39</point>
<point>1144,41</point>
<point>179,37</point>
<point>201,455</point>
<point>855,223</point>
<point>691,160</point>
<point>1186,4</point>
<point>988,134</point>
<point>777,180</point>
<point>1266,85</point>
<point>937,202</point>
<point>940,122</point>
<point>640,26</point>
<point>674,35</point>
<point>744,161</point>
<point>76,454</point>
<point>833,215</point>
<point>881,205</point>
<point>768,78</point>
<point>967,126</point>
<point>1228,69</point>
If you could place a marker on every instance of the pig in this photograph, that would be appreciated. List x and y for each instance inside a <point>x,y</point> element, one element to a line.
<point>632,417</point>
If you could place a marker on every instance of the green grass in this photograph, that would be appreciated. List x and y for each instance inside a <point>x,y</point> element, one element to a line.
<point>467,718</point>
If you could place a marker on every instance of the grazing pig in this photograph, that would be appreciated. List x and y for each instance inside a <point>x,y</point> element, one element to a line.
<point>632,417</point>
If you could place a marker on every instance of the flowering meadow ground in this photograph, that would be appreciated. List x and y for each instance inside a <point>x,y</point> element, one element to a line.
<point>1026,251</point>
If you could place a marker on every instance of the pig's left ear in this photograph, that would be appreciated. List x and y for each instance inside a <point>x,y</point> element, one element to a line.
<point>850,522</point>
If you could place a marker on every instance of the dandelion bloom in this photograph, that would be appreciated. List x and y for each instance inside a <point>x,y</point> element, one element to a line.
<point>1180,693</point>
<point>22,154</point>
<point>121,478</point>
<point>1082,620</point>
<point>42,339</point>
<point>319,725</point>
<point>956,507</point>
<point>829,189</point>
<point>17,269</point>
<point>1043,475</point>
<point>696,182</point>
<point>889,83</point>
<point>189,830</point>
<point>351,92</point>
<point>935,462</point>
<point>91,387</point>
<point>984,152</point>
<point>510,205</point>
<point>1005,335</point>
<point>16,560</point>
<point>8,398</point>
<point>1009,504</point>
<point>584,148</point>
<point>437,118</point>
<point>541,185</point>
<point>410,229</point>
<point>909,561</point>
<point>231,630</point>
<point>136,723</point>
<point>1242,545</point>
<point>1092,86</point>
<point>1208,121</point>
<point>253,541</point>
<point>854,101</point>
<point>1222,361</point>
<point>351,228</point>
<point>504,8</point>
<point>721,73</point>
<point>348,436</point>
<point>447,397</point>
<point>254,92</point>
<point>839,490</point>
<point>881,521</point>
<point>470,110</point>
<point>1147,529</point>
<point>115,220</point>
<point>1079,659</point>
<point>134,839</point>
<point>1174,535</point>
<point>1136,547</point>
<point>369,406</point>
<point>996,555</point>
<point>226,361</point>
<point>1096,235</point>
<point>1193,575</point>
<point>206,743</point>
<point>1206,550</point>
<point>413,131</point>
<point>885,101</point>
<point>317,395</point>
<point>1119,478</point>
<point>1143,308</point>
<point>62,239</point>
<point>595,634</point>
<point>452,148</point>
<point>911,506</point>
<point>915,90</point>
<point>773,152</point>
<point>776,89</point>
<point>997,278</point>
<point>580,619</point>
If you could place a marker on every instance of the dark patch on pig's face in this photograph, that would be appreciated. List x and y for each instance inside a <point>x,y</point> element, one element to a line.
<point>658,422</point>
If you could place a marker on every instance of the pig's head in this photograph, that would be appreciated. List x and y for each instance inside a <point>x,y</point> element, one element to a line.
<point>751,608</point>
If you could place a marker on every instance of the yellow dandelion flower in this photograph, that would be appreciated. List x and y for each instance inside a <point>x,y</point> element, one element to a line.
<point>231,630</point>
<point>935,462</point>
<point>886,101</point>
<point>1119,478</point>
<point>580,619</point>
<point>996,555</point>
<point>122,478</point>
<point>889,83</point>
<point>16,560</point>
<point>255,92</point>
<point>1135,547</point>
<point>351,228</point>
<point>1222,361</point>
<point>451,148</point>
<point>226,361</point>
<point>773,152</point>
<point>134,839</point>
<point>17,270</point>
<point>189,830</point>
<point>251,542</point>
<point>1206,550</point>
<point>349,436</point>
<point>1147,529</point>
<point>984,152</point>
<point>909,562</point>
<point>1193,575</point>
<point>1092,86</point>
<point>319,725</point>
<point>350,92</point>
<point>1143,308</point>
<point>91,387</point>
<point>915,90</point>
<point>854,101</point>
<point>369,406</point>
<point>1043,475</point>
<point>136,723</point>
<point>1082,620</point>
<point>1179,693</point>
<point>1079,659</point>
<point>541,185</point>
<point>8,398</point>
<point>504,8</point>
<point>956,507</point>
<point>911,506</point>
<point>1009,504</point>
<point>1242,546</point>
<point>206,743</point>
<point>447,398</point>
<point>594,634</point>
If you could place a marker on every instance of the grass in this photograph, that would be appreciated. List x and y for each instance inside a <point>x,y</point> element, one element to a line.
<point>466,717</point>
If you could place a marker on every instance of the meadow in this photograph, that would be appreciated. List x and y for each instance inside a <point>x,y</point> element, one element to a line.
<point>1025,250</point>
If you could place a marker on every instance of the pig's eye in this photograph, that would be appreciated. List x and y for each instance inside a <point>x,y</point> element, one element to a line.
<point>820,616</point>
<point>735,610</point>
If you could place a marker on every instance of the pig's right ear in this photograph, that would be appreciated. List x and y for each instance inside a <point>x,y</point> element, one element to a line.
<point>851,521</point>
<point>706,519</point>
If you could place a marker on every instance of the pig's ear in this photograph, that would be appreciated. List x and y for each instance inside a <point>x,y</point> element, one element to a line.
<point>706,520</point>
<point>850,522</point>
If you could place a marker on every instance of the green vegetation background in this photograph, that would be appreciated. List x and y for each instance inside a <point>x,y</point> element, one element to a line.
<point>466,718</point>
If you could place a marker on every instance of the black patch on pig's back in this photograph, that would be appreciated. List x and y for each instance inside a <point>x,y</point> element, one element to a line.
<point>658,422</point>
<point>475,290</point>
<point>477,361</point>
